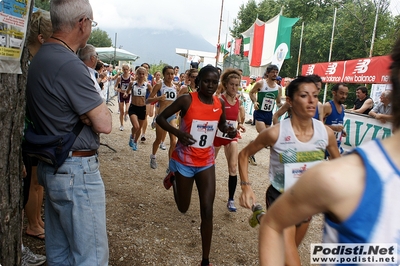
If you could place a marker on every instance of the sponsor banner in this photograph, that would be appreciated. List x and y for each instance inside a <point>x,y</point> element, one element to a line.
<point>359,128</point>
<point>362,128</point>
<point>354,253</point>
<point>364,70</point>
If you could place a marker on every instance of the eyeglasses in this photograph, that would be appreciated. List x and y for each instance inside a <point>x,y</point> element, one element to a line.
<point>94,23</point>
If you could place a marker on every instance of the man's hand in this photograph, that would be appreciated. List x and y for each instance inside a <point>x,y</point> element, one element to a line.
<point>255,106</point>
<point>85,119</point>
<point>231,132</point>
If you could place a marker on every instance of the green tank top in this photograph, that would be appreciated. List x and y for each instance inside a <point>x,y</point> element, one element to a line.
<point>266,97</point>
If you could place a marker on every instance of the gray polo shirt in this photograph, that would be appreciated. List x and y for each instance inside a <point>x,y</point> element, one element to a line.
<point>380,108</point>
<point>59,90</point>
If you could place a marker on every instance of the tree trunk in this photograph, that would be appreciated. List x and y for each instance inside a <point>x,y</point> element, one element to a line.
<point>12,113</point>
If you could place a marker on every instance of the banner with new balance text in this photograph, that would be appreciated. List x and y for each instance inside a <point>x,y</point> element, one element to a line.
<point>363,70</point>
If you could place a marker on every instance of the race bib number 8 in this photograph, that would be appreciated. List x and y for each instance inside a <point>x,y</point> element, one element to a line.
<point>203,132</point>
<point>267,104</point>
<point>222,135</point>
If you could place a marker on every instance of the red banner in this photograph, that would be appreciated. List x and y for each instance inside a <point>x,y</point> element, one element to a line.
<point>374,70</point>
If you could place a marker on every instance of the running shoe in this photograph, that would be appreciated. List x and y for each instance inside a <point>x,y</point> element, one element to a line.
<point>153,125</point>
<point>130,141</point>
<point>162,146</point>
<point>252,160</point>
<point>121,128</point>
<point>249,122</point>
<point>153,162</point>
<point>143,138</point>
<point>255,217</point>
<point>118,111</point>
<point>231,206</point>
<point>31,259</point>
<point>134,146</point>
<point>167,180</point>
<point>126,118</point>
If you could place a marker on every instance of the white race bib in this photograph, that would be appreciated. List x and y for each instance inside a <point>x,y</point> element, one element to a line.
<point>170,94</point>
<point>222,135</point>
<point>124,86</point>
<point>139,91</point>
<point>293,172</point>
<point>204,133</point>
<point>267,104</point>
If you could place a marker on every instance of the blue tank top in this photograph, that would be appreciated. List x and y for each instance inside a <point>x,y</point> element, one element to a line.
<point>335,117</point>
<point>377,218</point>
<point>316,115</point>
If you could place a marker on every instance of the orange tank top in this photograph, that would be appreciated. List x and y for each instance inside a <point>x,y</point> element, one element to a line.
<point>201,121</point>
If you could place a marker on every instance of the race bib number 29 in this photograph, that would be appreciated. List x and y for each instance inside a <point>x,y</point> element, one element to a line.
<point>203,132</point>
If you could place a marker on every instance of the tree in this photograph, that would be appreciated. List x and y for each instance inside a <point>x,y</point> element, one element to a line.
<point>99,38</point>
<point>43,4</point>
<point>12,102</point>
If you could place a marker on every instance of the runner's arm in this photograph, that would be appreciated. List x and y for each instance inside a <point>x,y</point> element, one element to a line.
<point>281,111</point>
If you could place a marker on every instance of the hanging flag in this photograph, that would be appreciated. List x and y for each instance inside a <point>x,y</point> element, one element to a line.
<point>229,44</point>
<point>266,37</point>
<point>246,46</point>
<point>238,42</point>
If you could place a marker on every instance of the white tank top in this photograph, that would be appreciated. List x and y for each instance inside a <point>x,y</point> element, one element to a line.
<point>289,150</point>
<point>170,92</point>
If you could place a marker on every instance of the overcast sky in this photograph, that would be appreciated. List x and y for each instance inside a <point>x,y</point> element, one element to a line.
<point>198,16</point>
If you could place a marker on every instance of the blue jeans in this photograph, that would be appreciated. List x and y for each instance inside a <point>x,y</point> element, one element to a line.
<point>75,213</point>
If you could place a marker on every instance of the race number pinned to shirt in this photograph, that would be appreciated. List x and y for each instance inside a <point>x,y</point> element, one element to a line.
<point>124,86</point>
<point>170,94</point>
<point>139,90</point>
<point>267,104</point>
<point>222,135</point>
<point>293,172</point>
<point>203,132</point>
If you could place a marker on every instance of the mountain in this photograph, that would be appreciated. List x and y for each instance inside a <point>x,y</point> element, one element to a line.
<point>153,46</point>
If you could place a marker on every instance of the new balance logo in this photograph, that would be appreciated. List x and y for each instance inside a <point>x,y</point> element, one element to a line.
<point>331,68</point>
<point>362,66</point>
<point>310,70</point>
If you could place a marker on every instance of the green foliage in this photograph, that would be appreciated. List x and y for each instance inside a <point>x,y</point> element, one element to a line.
<point>158,67</point>
<point>99,38</point>
<point>43,4</point>
<point>352,32</point>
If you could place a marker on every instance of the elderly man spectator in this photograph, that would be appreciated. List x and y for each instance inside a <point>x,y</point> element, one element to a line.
<point>57,100</point>
<point>383,110</point>
<point>363,104</point>
<point>89,56</point>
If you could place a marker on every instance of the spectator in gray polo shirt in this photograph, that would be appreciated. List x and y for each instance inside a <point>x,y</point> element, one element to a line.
<point>383,110</point>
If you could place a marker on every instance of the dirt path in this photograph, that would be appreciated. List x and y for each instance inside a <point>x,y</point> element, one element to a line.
<point>144,225</point>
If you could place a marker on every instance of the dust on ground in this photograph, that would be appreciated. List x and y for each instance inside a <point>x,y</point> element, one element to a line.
<point>143,223</point>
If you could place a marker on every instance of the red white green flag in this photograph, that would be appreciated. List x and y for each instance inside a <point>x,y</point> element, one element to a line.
<point>268,38</point>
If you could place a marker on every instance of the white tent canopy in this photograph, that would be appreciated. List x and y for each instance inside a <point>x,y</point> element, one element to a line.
<point>108,54</point>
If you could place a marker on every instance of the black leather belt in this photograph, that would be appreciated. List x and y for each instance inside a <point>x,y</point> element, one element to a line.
<point>83,153</point>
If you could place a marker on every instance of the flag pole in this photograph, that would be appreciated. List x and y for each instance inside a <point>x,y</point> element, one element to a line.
<point>301,42</point>
<point>219,33</point>
<point>374,31</point>
<point>330,51</point>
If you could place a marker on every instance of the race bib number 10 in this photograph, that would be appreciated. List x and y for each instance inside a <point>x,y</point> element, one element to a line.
<point>203,132</point>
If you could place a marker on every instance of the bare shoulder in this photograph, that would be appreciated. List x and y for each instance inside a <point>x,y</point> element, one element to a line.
<point>336,185</point>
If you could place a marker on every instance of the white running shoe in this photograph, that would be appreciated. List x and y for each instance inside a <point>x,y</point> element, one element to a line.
<point>121,128</point>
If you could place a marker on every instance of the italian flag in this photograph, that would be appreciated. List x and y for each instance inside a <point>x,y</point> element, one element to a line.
<point>265,37</point>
